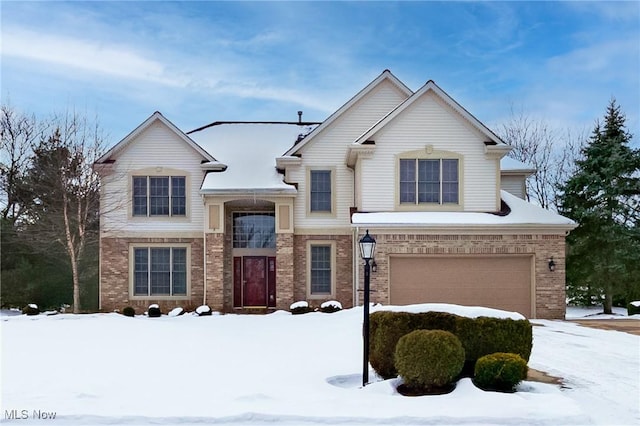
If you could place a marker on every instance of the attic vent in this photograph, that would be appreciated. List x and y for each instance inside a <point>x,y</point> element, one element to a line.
<point>300,137</point>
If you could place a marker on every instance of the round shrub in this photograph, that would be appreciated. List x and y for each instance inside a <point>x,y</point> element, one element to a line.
<point>330,306</point>
<point>203,310</point>
<point>154,311</point>
<point>31,309</point>
<point>428,359</point>
<point>300,307</point>
<point>500,371</point>
<point>176,312</point>
<point>129,312</point>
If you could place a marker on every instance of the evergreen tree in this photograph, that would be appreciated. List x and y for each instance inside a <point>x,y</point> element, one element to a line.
<point>603,197</point>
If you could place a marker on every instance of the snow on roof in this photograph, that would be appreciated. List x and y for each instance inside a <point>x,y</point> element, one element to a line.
<point>522,213</point>
<point>508,164</point>
<point>249,151</point>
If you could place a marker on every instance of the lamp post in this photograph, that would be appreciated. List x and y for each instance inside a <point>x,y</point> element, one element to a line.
<point>367,249</point>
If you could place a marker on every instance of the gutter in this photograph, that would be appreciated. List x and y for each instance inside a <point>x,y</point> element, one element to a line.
<point>250,192</point>
<point>476,228</point>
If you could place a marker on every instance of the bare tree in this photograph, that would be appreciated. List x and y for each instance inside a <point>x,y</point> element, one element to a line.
<point>19,133</point>
<point>551,153</point>
<point>63,188</point>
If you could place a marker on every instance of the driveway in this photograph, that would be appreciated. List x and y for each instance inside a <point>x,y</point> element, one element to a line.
<point>631,326</point>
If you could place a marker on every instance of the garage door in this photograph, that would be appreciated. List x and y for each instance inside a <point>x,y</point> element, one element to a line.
<point>502,282</point>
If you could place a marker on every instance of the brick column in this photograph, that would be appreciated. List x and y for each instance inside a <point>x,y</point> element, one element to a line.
<point>214,247</point>
<point>284,270</point>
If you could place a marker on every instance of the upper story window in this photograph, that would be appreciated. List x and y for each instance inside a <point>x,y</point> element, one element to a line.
<point>433,181</point>
<point>159,196</point>
<point>320,193</point>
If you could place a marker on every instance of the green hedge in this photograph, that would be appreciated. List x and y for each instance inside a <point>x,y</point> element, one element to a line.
<point>479,336</point>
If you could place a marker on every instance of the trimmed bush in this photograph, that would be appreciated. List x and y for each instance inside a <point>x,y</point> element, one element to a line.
<point>500,372</point>
<point>31,309</point>
<point>330,306</point>
<point>483,336</point>
<point>301,307</point>
<point>428,359</point>
<point>176,312</point>
<point>154,311</point>
<point>129,312</point>
<point>203,310</point>
<point>386,328</point>
<point>633,308</point>
<point>479,336</point>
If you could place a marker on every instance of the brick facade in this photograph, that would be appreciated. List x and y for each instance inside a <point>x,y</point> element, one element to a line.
<point>115,281</point>
<point>291,267</point>
<point>344,269</point>
<point>549,285</point>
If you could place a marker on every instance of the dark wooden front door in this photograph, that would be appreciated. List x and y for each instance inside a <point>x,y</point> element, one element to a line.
<point>254,281</point>
<point>254,272</point>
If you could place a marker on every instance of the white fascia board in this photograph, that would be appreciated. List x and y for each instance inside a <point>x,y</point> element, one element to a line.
<point>386,75</point>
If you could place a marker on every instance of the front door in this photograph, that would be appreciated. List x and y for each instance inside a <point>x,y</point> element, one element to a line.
<point>254,273</point>
<point>254,281</point>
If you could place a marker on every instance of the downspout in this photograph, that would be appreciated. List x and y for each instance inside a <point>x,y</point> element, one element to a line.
<point>100,268</point>
<point>356,270</point>
<point>204,253</point>
<point>355,273</point>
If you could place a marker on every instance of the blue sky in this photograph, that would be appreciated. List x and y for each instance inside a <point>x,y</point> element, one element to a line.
<point>198,62</point>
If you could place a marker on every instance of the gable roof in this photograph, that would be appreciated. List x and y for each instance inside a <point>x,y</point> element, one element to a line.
<point>385,76</point>
<point>431,86</point>
<point>113,153</point>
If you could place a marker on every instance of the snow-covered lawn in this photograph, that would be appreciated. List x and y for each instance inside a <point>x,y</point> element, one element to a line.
<point>285,369</point>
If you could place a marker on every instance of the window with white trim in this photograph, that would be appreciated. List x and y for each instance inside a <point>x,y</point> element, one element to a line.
<point>320,269</point>
<point>434,181</point>
<point>160,271</point>
<point>159,196</point>
<point>320,193</point>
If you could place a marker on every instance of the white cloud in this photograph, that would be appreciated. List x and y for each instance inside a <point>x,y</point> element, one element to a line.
<point>112,60</point>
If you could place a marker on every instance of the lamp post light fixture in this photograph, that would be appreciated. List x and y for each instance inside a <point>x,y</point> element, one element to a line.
<point>367,250</point>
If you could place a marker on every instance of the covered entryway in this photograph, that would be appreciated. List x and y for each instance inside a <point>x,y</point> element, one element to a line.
<point>254,260</point>
<point>501,282</point>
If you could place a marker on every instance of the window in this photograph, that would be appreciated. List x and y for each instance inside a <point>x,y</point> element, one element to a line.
<point>320,270</point>
<point>159,196</point>
<point>254,230</point>
<point>429,181</point>
<point>320,193</point>
<point>160,271</point>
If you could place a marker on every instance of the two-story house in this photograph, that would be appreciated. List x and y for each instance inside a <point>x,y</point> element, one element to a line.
<point>259,215</point>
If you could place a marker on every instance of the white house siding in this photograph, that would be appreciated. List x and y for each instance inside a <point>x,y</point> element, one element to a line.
<point>329,149</point>
<point>514,185</point>
<point>156,147</point>
<point>429,121</point>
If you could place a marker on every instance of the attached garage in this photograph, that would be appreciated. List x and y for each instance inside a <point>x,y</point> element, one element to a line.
<point>502,282</point>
